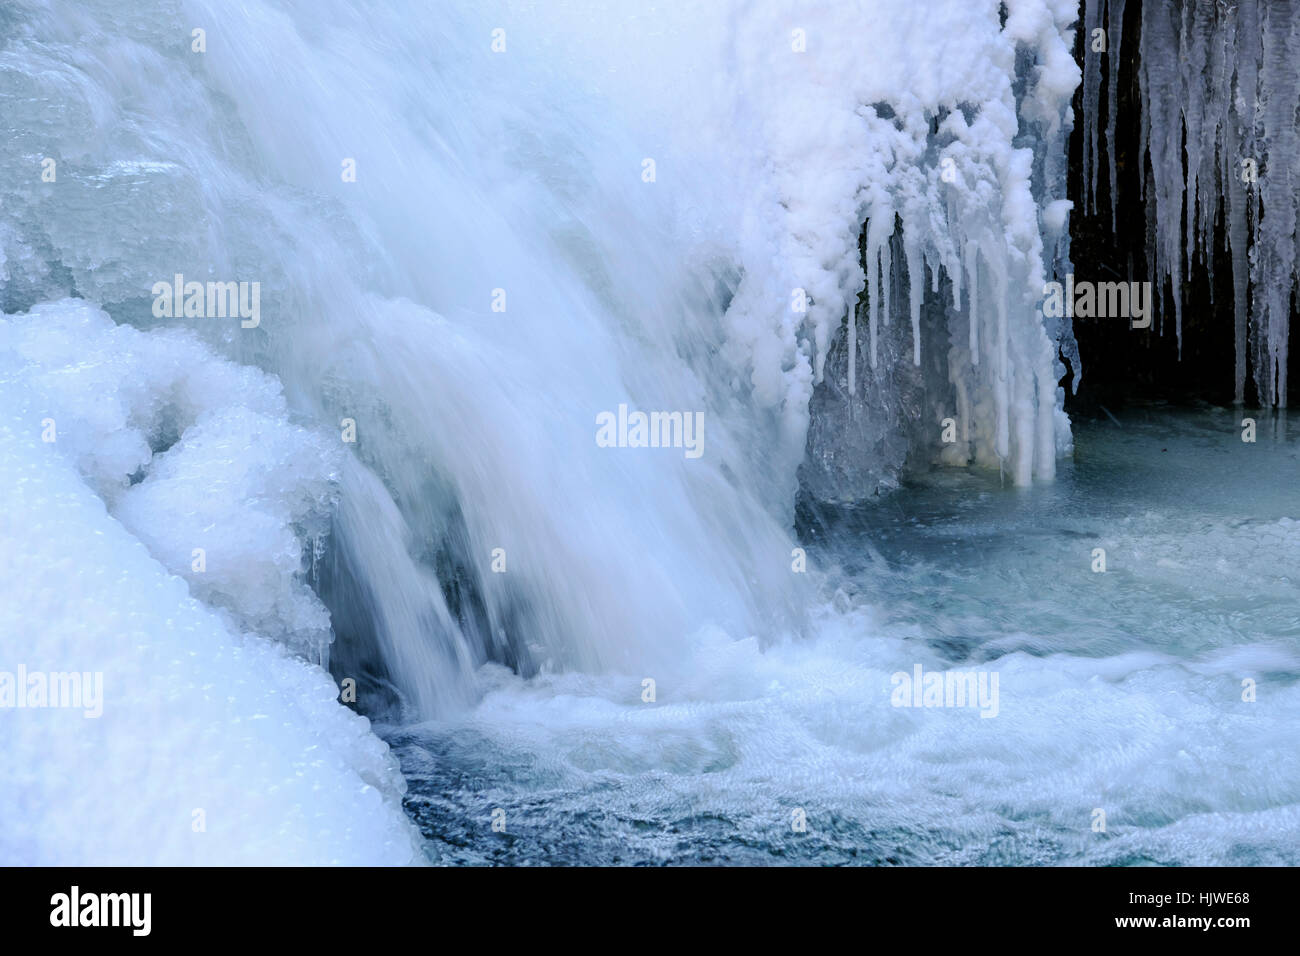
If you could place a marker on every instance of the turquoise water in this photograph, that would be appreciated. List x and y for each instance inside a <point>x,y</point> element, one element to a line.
<point>1120,692</point>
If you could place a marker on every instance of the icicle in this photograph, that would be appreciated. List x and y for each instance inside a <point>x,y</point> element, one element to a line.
<point>916,286</point>
<point>1279,184</point>
<point>1113,39</point>
<point>1091,102</point>
<point>1218,85</point>
<point>1235,216</point>
<point>953,266</point>
<point>973,282</point>
<point>853,349</point>
<point>1001,387</point>
<point>880,228</point>
<point>874,300</point>
<point>886,280</point>
<point>1163,98</point>
<point>1192,57</point>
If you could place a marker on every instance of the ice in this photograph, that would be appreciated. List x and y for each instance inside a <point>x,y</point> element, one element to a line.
<point>1092,21</point>
<point>1114,39</point>
<point>1221,78</point>
<point>215,745</point>
<point>1275,274</point>
<point>973,156</point>
<point>189,452</point>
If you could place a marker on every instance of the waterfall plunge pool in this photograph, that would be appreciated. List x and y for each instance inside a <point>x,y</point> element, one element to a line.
<point>1126,732</point>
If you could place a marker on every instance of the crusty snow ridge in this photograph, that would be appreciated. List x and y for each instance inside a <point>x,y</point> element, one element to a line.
<point>212,744</point>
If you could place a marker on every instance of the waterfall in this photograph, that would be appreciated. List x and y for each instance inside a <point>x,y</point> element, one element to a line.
<point>476,233</point>
<point>519,376</point>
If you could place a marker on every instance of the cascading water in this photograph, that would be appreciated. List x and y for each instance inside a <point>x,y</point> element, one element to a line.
<point>475,427</point>
<point>481,183</point>
<point>476,233</point>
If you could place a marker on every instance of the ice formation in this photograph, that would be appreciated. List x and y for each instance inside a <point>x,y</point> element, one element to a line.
<point>1219,90</point>
<point>214,745</point>
<point>924,160</point>
<point>193,454</point>
<point>861,161</point>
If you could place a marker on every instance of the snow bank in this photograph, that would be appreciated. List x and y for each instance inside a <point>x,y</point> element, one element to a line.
<point>215,745</point>
<point>194,454</point>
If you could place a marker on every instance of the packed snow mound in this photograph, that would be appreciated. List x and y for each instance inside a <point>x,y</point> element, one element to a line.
<point>210,746</point>
<point>194,454</point>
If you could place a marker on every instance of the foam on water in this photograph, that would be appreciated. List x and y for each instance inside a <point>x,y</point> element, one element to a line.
<point>1120,691</point>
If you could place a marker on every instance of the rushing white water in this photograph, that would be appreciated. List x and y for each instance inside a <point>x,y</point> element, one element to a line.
<point>475,232</point>
<point>520,179</point>
<point>1121,691</point>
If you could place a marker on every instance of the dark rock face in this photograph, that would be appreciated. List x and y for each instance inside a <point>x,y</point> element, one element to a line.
<point>1200,58</point>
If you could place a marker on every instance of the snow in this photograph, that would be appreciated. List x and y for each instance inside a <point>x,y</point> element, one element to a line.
<point>189,452</point>
<point>215,745</point>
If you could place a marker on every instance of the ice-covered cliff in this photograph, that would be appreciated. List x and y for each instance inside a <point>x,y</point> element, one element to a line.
<point>1220,153</point>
